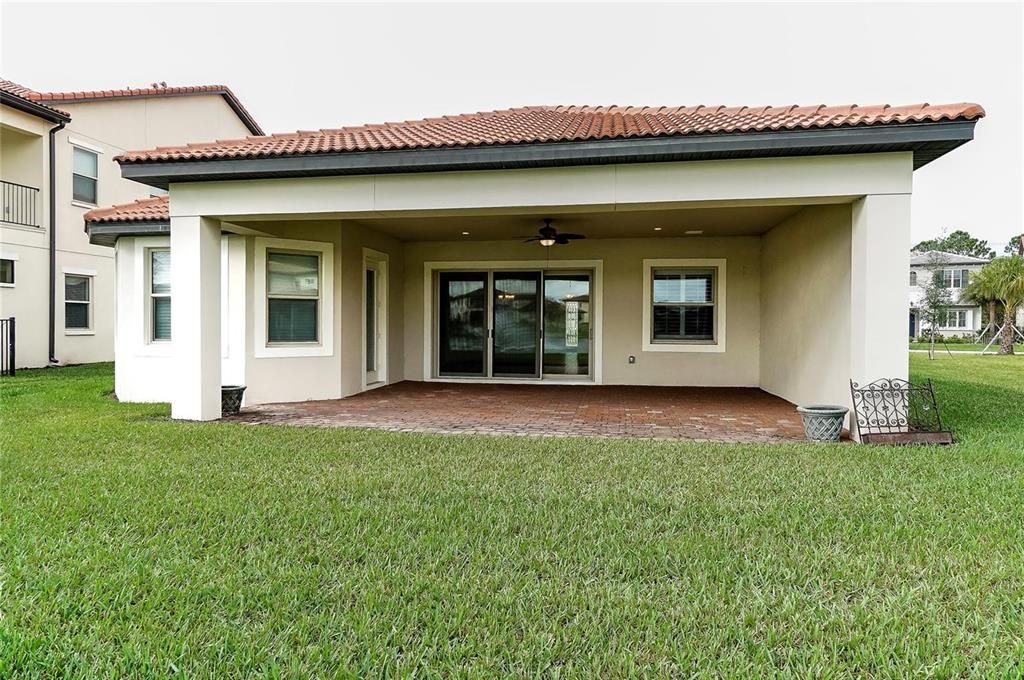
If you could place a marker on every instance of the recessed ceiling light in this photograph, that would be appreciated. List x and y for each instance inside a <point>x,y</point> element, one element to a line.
<point>657,229</point>
<point>694,232</point>
<point>465,233</point>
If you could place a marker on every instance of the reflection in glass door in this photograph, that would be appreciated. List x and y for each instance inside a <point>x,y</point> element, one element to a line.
<point>508,324</point>
<point>566,324</point>
<point>463,324</point>
<point>516,324</point>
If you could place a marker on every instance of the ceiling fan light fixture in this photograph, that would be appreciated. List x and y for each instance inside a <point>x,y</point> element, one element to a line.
<point>547,242</point>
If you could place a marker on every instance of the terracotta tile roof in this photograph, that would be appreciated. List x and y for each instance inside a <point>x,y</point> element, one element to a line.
<point>540,124</point>
<point>12,88</point>
<point>93,95</point>
<point>142,210</point>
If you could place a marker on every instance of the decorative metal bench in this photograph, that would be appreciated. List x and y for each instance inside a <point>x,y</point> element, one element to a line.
<point>894,411</point>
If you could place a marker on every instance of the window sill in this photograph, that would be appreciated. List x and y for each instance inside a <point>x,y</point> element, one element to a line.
<point>297,350</point>
<point>79,331</point>
<point>715,347</point>
<point>6,285</point>
<point>83,204</point>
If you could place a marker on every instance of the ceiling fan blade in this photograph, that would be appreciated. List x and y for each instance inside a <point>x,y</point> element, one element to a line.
<point>572,237</point>
<point>532,239</point>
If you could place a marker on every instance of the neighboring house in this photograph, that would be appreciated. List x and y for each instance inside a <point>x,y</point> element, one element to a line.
<point>963,317</point>
<point>53,281</point>
<point>754,247</point>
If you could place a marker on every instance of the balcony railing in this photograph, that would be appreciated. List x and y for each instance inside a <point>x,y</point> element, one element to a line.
<point>19,204</point>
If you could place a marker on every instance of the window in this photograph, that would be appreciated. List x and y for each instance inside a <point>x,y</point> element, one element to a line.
<point>77,302</point>
<point>293,297</point>
<point>86,172</point>
<point>6,272</point>
<point>955,318</point>
<point>913,278</point>
<point>683,305</point>
<point>160,295</point>
<point>953,278</point>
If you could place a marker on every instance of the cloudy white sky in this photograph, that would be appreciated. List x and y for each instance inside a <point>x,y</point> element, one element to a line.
<point>303,66</point>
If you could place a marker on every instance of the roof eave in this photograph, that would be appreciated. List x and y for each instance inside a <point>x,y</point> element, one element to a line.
<point>32,108</point>
<point>927,141</point>
<point>107,233</point>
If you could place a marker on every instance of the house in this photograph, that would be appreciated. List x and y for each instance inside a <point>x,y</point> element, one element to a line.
<point>755,247</point>
<point>57,164</point>
<point>963,317</point>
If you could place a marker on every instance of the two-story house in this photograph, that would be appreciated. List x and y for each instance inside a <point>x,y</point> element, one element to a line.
<point>963,316</point>
<point>56,163</point>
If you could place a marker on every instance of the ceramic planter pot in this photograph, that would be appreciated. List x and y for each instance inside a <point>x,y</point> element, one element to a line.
<point>231,399</point>
<point>823,423</point>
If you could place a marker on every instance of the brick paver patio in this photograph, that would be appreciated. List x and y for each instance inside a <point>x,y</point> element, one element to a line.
<point>683,413</point>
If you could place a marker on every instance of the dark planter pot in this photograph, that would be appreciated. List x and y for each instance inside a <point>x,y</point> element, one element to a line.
<point>231,399</point>
<point>823,423</point>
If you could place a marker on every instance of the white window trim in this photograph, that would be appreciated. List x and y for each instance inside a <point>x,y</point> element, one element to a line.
<point>323,348</point>
<point>90,330</point>
<point>84,146</point>
<point>380,262</point>
<point>13,258</point>
<point>718,345</point>
<point>88,146</point>
<point>140,331</point>
<point>148,296</point>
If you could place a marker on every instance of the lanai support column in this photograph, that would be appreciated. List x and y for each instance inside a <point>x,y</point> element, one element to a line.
<point>879,271</point>
<point>195,317</point>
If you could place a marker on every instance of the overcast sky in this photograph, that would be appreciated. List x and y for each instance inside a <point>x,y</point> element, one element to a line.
<point>307,66</point>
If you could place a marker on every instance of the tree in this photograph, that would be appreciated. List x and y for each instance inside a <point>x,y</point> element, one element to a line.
<point>1015,246</point>
<point>958,242</point>
<point>935,298</point>
<point>982,291</point>
<point>1007,279</point>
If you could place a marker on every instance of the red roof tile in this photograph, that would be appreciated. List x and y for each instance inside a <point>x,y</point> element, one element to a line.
<point>540,124</point>
<point>142,210</point>
<point>22,92</point>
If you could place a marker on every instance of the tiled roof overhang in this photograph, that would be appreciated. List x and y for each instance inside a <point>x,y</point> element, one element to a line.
<point>33,108</point>
<point>927,141</point>
<point>144,217</point>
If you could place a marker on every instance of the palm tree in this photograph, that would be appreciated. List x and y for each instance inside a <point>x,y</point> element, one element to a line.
<point>1007,277</point>
<point>981,291</point>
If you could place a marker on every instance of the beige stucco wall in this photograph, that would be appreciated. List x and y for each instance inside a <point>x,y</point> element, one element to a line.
<point>326,377</point>
<point>108,127</point>
<point>622,306</point>
<point>805,306</point>
<point>23,159</point>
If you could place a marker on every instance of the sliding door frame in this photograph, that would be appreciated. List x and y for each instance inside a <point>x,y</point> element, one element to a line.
<point>431,317</point>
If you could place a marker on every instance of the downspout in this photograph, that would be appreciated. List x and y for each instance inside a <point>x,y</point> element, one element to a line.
<point>53,240</point>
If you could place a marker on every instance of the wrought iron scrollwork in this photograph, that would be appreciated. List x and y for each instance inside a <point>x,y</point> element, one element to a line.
<point>892,405</point>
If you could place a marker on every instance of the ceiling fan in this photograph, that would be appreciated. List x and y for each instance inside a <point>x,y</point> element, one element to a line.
<point>549,236</point>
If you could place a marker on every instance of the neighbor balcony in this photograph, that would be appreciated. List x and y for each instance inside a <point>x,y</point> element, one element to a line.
<point>19,204</point>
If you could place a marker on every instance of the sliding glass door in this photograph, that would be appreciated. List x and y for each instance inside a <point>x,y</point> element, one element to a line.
<point>566,324</point>
<point>513,324</point>
<point>516,325</point>
<point>463,324</point>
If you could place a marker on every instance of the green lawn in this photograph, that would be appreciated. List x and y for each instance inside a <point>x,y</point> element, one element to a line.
<point>964,347</point>
<point>134,546</point>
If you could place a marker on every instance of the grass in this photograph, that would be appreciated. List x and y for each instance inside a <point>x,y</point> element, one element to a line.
<point>964,347</point>
<point>134,546</point>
